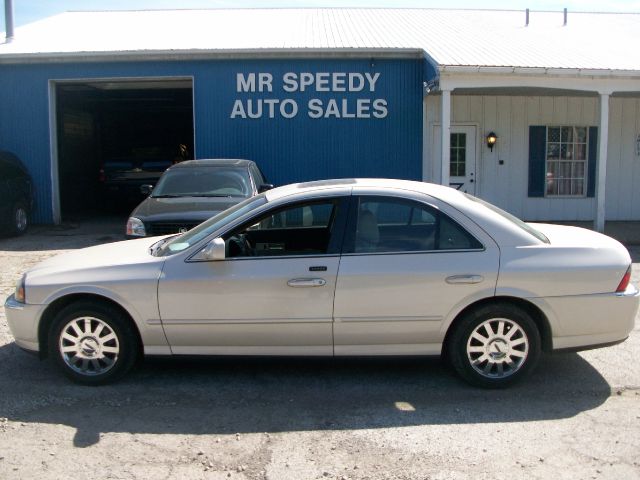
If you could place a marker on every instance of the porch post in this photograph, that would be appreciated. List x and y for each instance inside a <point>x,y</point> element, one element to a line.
<point>602,161</point>
<point>445,121</point>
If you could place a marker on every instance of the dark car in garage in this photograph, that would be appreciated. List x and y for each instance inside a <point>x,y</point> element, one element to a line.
<point>190,192</point>
<point>16,195</point>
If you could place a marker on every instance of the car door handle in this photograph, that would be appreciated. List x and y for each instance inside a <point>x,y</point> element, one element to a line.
<point>456,279</point>
<point>306,282</point>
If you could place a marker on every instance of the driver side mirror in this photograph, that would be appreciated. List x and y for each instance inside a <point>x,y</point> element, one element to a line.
<point>214,251</point>
<point>264,187</point>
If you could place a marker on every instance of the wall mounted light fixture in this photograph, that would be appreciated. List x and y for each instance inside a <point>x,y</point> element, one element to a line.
<point>492,138</point>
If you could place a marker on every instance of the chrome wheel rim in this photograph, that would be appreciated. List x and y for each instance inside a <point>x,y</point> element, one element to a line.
<point>89,346</point>
<point>497,348</point>
<point>21,219</point>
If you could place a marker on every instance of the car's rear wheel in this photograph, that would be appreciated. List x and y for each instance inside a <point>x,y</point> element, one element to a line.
<point>19,219</point>
<point>494,346</point>
<point>93,344</point>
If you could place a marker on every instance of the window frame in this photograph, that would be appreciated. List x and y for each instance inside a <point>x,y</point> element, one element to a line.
<point>559,161</point>
<point>351,226</point>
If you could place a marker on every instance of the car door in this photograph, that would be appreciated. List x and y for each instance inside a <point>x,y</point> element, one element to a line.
<point>407,265</point>
<point>272,294</point>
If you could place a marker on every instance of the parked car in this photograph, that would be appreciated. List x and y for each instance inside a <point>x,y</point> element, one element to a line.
<point>191,192</point>
<point>121,178</point>
<point>339,267</point>
<point>16,195</point>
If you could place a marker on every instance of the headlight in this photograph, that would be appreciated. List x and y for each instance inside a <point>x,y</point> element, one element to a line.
<point>135,227</point>
<point>20,294</point>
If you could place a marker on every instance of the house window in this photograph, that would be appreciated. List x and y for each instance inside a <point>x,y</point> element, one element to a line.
<point>566,161</point>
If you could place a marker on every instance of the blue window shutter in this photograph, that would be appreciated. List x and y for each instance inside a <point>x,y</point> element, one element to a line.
<point>537,149</point>
<point>592,161</point>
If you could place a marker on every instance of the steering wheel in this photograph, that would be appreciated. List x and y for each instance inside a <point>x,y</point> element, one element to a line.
<point>239,246</point>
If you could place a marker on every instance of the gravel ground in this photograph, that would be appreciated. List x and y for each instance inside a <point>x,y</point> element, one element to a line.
<point>578,416</point>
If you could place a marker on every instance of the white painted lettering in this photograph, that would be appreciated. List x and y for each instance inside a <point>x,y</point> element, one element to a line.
<point>332,109</point>
<point>283,108</point>
<point>290,81</point>
<point>372,80</point>
<point>380,108</point>
<point>315,108</point>
<point>356,82</point>
<point>339,82</point>
<point>363,107</point>
<point>306,79</point>
<point>265,82</point>
<point>345,109</point>
<point>322,82</point>
<point>245,84</point>
<point>238,110</point>
<point>271,103</point>
<point>257,113</point>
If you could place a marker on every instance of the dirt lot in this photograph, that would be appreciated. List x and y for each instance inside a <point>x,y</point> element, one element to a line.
<point>577,417</point>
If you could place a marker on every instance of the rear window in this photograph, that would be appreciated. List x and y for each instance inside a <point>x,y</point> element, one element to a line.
<point>515,220</point>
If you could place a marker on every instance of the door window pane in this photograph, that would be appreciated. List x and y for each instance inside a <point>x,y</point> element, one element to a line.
<point>386,224</point>
<point>301,229</point>
<point>457,155</point>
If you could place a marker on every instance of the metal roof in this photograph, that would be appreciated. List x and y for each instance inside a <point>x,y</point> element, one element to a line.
<point>456,38</point>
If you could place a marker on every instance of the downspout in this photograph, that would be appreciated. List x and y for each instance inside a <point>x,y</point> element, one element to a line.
<point>8,18</point>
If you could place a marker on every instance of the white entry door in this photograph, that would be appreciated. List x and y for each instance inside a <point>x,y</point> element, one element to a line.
<point>462,158</point>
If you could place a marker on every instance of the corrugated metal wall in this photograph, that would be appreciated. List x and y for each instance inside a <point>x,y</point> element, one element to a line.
<point>288,150</point>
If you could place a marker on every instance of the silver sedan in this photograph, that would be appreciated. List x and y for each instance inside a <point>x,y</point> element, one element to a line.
<point>334,268</point>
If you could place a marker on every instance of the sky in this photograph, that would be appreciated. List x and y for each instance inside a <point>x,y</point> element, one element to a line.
<point>27,11</point>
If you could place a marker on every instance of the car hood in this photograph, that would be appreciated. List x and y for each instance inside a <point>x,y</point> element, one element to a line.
<point>102,264</point>
<point>183,208</point>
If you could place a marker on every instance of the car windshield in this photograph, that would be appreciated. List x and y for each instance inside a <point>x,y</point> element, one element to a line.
<point>178,243</point>
<point>204,182</point>
<point>515,220</point>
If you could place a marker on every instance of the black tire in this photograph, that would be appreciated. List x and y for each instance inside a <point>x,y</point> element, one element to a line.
<point>92,360</point>
<point>504,358</point>
<point>19,218</point>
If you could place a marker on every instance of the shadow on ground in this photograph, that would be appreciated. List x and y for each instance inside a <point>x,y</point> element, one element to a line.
<point>226,396</point>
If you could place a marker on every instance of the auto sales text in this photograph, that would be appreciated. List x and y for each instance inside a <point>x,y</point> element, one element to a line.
<point>291,82</point>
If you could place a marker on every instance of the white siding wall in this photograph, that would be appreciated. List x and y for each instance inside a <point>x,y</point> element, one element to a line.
<point>510,117</point>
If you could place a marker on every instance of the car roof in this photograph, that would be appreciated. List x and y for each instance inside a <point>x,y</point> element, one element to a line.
<point>214,162</point>
<point>502,230</point>
<point>384,184</point>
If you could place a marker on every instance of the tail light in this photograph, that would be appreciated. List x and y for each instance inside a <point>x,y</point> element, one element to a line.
<point>624,283</point>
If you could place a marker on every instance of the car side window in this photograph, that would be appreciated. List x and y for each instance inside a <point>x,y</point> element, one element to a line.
<point>387,224</point>
<point>299,229</point>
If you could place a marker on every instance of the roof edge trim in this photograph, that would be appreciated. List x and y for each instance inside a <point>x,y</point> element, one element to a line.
<point>174,55</point>
<point>568,72</point>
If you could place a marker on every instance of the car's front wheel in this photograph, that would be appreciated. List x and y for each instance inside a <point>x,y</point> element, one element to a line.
<point>495,345</point>
<point>93,344</point>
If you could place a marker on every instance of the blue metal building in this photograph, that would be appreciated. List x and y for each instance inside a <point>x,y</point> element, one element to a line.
<point>300,119</point>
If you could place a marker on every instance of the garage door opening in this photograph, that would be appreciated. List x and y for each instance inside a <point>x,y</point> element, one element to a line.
<point>114,136</point>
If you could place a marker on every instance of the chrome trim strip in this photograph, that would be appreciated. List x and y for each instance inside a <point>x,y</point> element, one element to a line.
<point>389,319</point>
<point>247,321</point>
<point>414,252</point>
